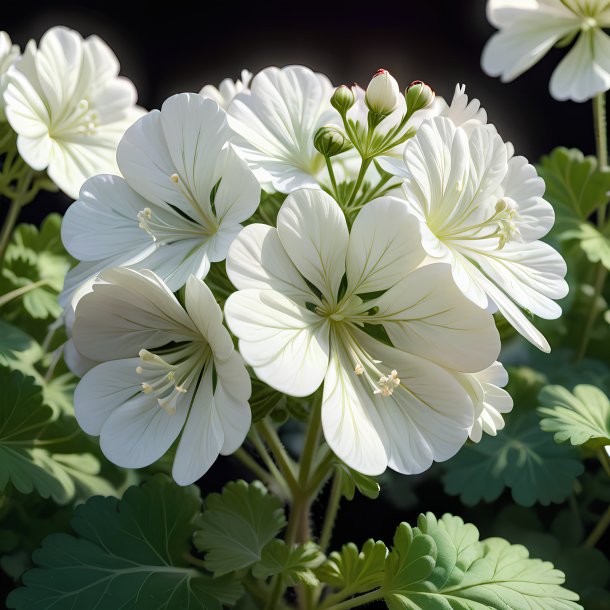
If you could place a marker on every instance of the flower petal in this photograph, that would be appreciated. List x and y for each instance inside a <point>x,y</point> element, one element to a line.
<point>426,314</point>
<point>286,344</point>
<point>379,253</point>
<point>313,231</point>
<point>585,70</point>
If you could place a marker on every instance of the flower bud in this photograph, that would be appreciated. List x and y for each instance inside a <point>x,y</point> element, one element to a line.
<point>418,96</point>
<point>343,99</point>
<point>330,141</point>
<point>382,94</point>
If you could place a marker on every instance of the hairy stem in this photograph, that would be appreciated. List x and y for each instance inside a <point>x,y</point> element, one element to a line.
<point>331,511</point>
<point>601,145</point>
<point>312,440</point>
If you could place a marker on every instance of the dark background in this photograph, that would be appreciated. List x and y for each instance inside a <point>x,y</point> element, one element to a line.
<point>181,47</point>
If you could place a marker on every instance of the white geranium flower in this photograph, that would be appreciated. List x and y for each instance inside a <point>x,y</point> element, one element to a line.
<point>227,89</point>
<point>277,121</point>
<point>8,54</point>
<point>529,28</point>
<point>483,213</point>
<point>180,205</point>
<point>166,372</point>
<point>303,311</point>
<point>69,107</point>
<point>489,399</point>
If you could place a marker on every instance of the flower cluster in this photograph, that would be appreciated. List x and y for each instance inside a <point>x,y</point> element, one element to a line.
<point>356,243</point>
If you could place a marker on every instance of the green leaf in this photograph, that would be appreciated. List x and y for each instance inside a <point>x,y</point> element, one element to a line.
<point>353,571</point>
<point>37,256</point>
<point>237,524</point>
<point>521,457</point>
<point>574,185</point>
<point>352,480</point>
<point>263,400</point>
<point>18,351</point>
<point>294,563</point>
<point>594,244</point>
<point>442,565</point>
<point>577,416</point>
<point>128,553</point>
<point>32,438</point>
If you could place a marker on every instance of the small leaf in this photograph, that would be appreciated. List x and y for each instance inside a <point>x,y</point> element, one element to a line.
<point>352,480</point>
<point>127,553</point>
<point>353,571</point>
<point>237,524</point>
<point>263,400</point>
<point>574,185</point>
<point>578,416</point>
<point>294,563</point>
<point>594,244</point>
<point>521,457</point>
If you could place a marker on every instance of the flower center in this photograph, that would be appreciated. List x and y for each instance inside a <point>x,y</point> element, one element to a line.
<point>170,377</point>
<point>81,119</point>
<point>208,218</point>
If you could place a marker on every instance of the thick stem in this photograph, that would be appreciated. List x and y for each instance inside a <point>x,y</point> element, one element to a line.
<point>363,167</point>
<point>601,145</point>
<point>312,440</point>
<point>277,588</point>
<point>331,512</point>
<point>598,531</point>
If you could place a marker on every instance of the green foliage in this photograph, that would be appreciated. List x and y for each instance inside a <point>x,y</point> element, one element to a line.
<point>237,524</point>
<point>578,416</point>
<point>129,553</point>
<point>575,186</point>
<point>352,480</point>
<point>353,571</point>
<point>36,263</point>
<point>522,458</point>
<point>36,448</point>
<point>594,243</point>
<point>294,563</point>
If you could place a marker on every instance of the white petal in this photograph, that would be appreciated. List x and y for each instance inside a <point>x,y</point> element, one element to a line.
<point>426,314</point>
<point>585,70</point>
<point>529,31</point>
<point>75,361</point>
<point>277,121</point>
<point>127,311</point>
<point>351,425</point>
<point>313,231</point>
<point>139,432</point>
<point>103,222</point>
<point>257,259</point>
<point>286,344</point>
<point>379,253</point>
<point>103,390</point>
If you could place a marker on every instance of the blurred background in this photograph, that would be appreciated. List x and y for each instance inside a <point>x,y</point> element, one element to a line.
<point>182,47</point>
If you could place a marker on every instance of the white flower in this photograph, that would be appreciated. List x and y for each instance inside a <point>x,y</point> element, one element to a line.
<point>227,89</point>
<point>166,371</point>
<point>180,205</point>
<point>277,121</point>
<point>8,54</point>
<point>489,399</point>
<point>529,28</point>
<point>304,309</point>
<point>68,107</point>
<point>382,94</point>
<point>483,213</point>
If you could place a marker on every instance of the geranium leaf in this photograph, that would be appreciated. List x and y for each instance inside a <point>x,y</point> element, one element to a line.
<point>237,524</point>
<point>128,553</point>
<point>521,457</point>
<point>578,416</point>
<point>294,563</point>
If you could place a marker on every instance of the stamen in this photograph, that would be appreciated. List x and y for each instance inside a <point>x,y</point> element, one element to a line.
<point>359,369</point>
<point>387,384</point>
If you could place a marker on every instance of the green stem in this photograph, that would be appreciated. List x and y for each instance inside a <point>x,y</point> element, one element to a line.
<point>331,173</point>
<point>367,598</point>
<point>332,509</point>
<point>601,146</point>
<point>277,588</point>
<point>195,561</point>
<point>249,462</point>
<point>262,451</point>
<point>363,167</point>
<point>18,292</point>
<point>604,459</point>
<point>312,440</point>
<point>320,474</point>
<point>279,453</point>
<point>17,202</point>
<point>598,530</point>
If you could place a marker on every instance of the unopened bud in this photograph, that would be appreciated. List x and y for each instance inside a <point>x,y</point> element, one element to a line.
<point>330,141</point>
<point>382,94</point>
<point>343,99</point>
<point>418,96</point>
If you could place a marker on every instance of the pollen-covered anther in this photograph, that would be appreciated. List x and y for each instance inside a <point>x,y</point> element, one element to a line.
<point>358,369</point>
<point>175,178</point>
<point>387,384</point>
